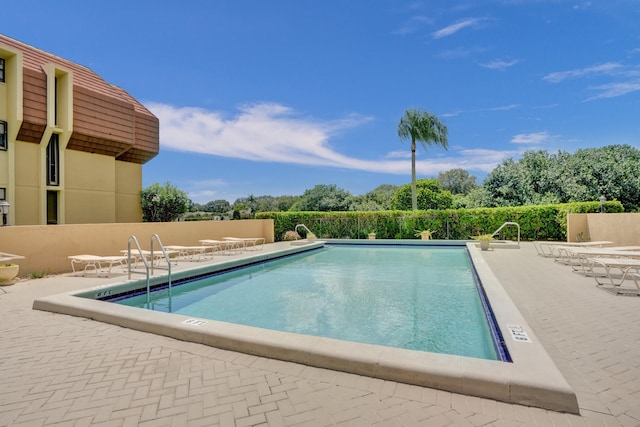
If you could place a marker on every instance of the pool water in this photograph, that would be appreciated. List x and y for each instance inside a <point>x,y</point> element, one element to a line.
<point>413,297</point>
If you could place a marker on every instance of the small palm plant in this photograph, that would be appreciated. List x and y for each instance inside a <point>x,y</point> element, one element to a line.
<point>485,240</point>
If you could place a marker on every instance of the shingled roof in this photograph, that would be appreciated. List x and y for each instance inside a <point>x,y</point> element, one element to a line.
<point>106,119</point>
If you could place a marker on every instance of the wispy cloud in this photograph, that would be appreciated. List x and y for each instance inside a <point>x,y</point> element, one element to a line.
<point>275,133</point>
<point>259,132</point>
<point>583,5</point>
<point>482,110</point>
<point>613,90</point>
<point>412,25</point>
<point>531,138</point>
<point>454,28</point>
<point>628,79</point>
<point>461,52</point>
<point>607,68</point>
<point>500,64</point>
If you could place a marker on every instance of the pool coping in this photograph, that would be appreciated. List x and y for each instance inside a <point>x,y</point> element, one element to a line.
<point>532,378</point>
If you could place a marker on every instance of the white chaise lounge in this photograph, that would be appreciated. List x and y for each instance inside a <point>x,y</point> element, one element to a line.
<point>548,249</point>
<point>96,263</point>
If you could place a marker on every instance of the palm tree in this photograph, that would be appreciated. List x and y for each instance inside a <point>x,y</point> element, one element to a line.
<point>419,125</point>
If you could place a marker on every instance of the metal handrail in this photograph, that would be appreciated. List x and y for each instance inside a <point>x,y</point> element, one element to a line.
<point>504,225</point>
<point>149,268</point>
<point>142,257</point>
<point>304,227</point>
<point>156,237</point>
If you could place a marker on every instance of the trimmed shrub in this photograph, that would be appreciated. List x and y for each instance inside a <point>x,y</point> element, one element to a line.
<point>539,222</point>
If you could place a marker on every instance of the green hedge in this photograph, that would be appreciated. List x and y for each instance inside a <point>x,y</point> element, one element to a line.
<point>540,222</point>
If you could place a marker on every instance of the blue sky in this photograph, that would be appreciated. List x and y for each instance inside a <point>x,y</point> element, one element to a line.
<point>275,97</point>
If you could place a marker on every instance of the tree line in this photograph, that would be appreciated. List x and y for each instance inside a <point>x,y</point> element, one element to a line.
<point>538,177</point>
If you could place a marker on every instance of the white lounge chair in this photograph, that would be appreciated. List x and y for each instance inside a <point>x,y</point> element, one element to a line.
<point>577,258</point>
<point>192,253</point>
<point>248,242</point>
<point>548,249</point>
<point>610,267</point>
<point>158,256</point>
<point>96,263</point>
<point>224,246</point>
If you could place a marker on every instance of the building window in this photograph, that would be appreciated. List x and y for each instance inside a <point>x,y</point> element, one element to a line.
<point>55,102</point>
<point>3,193</point>
<point>1,70</point>
<point>53,161</point>
<point>3,135</point>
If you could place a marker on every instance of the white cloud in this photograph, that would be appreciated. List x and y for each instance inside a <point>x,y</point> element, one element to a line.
<point>404,154</point>
<point>602,69</point>
<point>203,196</point>
<point>530,138</point>
<point>481,110</point>
<point>500,64</point>
<point>454,28</point>
<point>275,133</point>
<point>583,5</point>
<point>613,90</point>
<point>412,25</point>
<point>461,52</point>
<point>260,132</point>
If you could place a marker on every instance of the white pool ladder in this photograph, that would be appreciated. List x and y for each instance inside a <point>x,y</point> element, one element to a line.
<point>148,268</point>
<point>309,232</point>
<point>503,226</point>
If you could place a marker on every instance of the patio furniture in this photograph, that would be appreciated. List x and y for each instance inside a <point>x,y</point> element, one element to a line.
<point>248,242</point>
<point>96,263</point>
<point>610,267</point>
<point>191,253</point>
<point>548,249</point>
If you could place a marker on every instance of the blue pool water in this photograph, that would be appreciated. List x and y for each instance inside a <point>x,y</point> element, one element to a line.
<point>414,297</point>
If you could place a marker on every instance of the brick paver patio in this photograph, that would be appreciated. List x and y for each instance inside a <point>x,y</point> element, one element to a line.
<point>62,370</point>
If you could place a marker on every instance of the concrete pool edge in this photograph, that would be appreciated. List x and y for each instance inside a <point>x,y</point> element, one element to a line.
<point>532,379</point>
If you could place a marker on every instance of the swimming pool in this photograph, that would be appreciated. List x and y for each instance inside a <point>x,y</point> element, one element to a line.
<point>424,298</point>
<point>531,379</point>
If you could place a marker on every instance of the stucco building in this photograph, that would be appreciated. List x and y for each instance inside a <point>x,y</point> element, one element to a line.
<point>72,145</point>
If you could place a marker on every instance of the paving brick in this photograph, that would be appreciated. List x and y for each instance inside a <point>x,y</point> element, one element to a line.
<point>64,370</point>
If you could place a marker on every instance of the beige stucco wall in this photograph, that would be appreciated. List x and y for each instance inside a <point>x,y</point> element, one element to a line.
<point>47,248</point>
<point>3,101</point>
<point>25,210</point>
<point>621,228</point>
<point>97,188</point>
<point>128,185</point>
<point>577,223</point>
<point>89,188</point>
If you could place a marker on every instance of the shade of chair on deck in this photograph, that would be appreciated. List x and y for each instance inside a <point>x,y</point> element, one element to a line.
<point>96,263</point>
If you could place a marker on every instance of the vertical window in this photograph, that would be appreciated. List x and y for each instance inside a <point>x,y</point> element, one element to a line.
<point>1,70</point>
<point>52,207</point>
<point>53,161</point>
<point>3,193</point>
<point>3,135</point>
